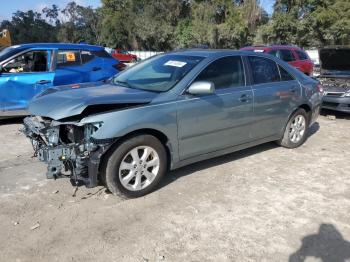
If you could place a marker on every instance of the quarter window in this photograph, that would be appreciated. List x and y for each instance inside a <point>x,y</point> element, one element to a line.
<point>302,55</point>
<point>263,70</point>
<point>285,76</point>
<point>285,55</point>
<point>68,58</point>
<point>224,73</point>
<point>86,56</point>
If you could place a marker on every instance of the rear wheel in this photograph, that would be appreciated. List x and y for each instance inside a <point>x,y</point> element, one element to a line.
<point>136,166</point>
<point>295,132</point>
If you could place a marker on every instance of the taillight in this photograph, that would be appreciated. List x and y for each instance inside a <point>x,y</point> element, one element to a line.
<point>120,66</point>
<point>320,88</point>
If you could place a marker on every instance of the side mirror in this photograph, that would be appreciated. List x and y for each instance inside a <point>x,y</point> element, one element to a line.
<point>201,88</point>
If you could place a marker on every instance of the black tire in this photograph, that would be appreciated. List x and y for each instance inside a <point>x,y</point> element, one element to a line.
<point>113,160</point>
<point>286,140</point>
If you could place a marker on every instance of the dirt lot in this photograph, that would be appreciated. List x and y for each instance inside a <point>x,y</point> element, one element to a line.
<point>262,204</point>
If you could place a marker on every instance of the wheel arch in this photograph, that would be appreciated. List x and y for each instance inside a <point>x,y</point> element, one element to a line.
<point>144,131</point>
<point>307,109</point>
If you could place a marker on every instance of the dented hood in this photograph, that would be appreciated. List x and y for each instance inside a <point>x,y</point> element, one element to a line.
<point>335,60</point>
<point>66,101</point>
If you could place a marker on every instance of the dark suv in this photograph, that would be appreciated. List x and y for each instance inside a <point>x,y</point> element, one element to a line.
<point>293,55</point>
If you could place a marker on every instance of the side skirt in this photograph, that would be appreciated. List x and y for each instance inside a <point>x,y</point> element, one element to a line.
<point>222,152</point>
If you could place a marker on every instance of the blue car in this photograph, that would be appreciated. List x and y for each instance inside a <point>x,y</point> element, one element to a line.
<point>29,69</point>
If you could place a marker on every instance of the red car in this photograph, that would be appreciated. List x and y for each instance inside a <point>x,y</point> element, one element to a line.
<point>293,55</point>
<point>124,56</point>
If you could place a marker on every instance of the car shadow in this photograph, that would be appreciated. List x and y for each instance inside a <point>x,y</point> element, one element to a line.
<point>313,129</point>
<point>328,245</point>
<point>190,169</point>
<point>11,121</point>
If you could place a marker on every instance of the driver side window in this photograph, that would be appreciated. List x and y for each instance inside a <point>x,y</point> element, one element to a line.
<point>30,62</point>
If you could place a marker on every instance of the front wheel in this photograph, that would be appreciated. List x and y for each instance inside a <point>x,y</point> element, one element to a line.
<point>136,166</point>
<point>295,132</point>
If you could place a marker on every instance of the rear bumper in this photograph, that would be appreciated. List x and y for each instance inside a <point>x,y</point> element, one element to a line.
<point>341,104</point>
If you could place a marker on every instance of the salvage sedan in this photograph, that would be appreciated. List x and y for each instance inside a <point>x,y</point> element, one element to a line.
<point>335,78</point>
<point>169,111</point>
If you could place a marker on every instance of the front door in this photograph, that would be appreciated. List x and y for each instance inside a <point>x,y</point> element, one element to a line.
<point>217,121</point>
<point>23,77</point>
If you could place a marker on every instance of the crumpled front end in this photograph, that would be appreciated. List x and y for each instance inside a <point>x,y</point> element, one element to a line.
<point>67,148</point>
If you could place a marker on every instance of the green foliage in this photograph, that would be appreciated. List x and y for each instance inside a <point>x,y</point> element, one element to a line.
<point>171,24</point>
<point>312,22</point>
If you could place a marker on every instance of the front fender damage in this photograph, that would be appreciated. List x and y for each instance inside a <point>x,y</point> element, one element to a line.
<point>67,148</point>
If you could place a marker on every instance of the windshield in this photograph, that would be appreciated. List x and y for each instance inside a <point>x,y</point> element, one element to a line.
<point>158,74</point>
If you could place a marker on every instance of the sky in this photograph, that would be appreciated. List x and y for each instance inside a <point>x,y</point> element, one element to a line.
<point>267,5</point>
<point>10,6</point>
<point>7,7</point>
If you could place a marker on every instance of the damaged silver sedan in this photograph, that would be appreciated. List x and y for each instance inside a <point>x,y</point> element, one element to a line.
<point>167,112</point>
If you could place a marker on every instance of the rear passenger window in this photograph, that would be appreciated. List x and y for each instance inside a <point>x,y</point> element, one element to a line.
<point>224,73</point>
<point>102,53</point>
<point>86,56</point>
<point>68,58</point>
<point>286,55</point>
<point>302,55</point>
<point>285,76</point>
<point>263,70</point>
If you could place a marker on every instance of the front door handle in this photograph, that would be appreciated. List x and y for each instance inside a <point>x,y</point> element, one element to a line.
<point>96,68</point>
<point>245,98</point>
<point>43,82</point>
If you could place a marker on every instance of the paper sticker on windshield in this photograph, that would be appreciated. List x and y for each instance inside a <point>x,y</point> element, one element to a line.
<point>258,51</point>
<point>175,63</point>
<point>70,56</point>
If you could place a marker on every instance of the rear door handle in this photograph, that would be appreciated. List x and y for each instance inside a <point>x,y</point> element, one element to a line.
<point>96,68</point>
<point>245,98</point>
<point>43,82</point>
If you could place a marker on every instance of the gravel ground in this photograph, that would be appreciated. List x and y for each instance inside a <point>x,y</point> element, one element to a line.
<point>262,204</point>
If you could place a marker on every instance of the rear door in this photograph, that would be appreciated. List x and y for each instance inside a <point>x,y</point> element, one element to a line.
<point>276,94</point>
<point>24,76</point>
<point>69,68</point>
<point>217,121</point>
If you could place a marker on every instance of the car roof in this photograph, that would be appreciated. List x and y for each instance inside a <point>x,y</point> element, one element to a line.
<point>271,47</point>
<point>209,52</point>
<point>60,46</point>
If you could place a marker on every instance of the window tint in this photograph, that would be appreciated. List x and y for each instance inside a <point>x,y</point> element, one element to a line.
<point>102,53</point>
<point>263,70</point>
<point>33,61</point>
<point>273,52</point>
<point>68,58</point>
<point>86,56</point>
<point>224,72</point>
<point>302,55</point>
<point>285,76</point>
<point>285,55</point>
